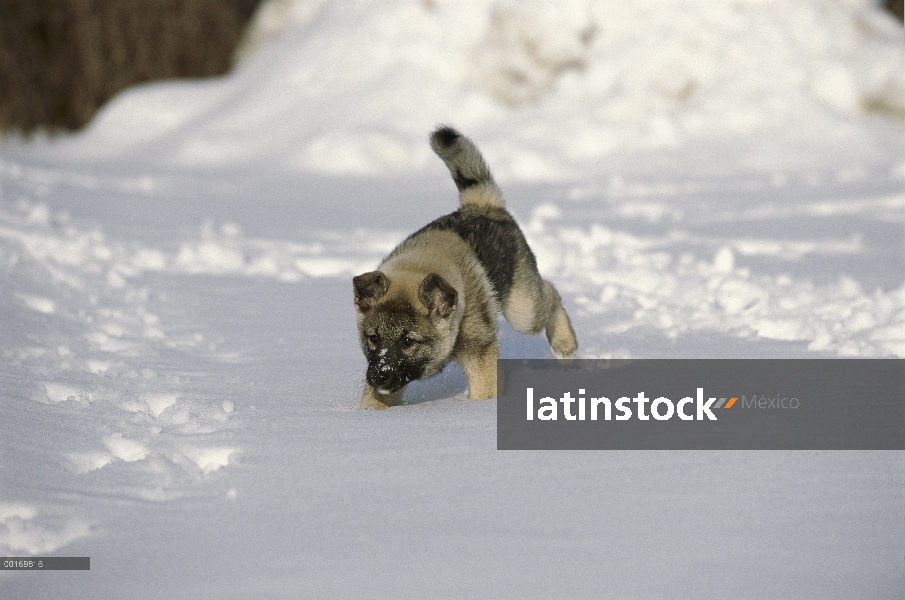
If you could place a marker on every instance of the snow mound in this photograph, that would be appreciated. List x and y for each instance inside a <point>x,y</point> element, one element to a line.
<point>25,530</point>
<point>550,89</point>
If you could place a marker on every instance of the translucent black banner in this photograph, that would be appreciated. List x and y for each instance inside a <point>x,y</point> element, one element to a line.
<point>45,563</point>
<point>845,404</point>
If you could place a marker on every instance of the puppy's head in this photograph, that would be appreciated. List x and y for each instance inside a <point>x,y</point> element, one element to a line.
<point>405,333</point>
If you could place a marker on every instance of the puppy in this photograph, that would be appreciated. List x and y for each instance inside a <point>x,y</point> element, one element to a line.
<point>436,297</point>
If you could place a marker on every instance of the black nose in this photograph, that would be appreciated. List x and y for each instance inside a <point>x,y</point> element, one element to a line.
<point>382,378</point>
<point>387,376</point>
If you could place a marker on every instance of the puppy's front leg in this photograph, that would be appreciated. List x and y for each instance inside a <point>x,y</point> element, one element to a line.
<point>480,371</point>
<point>371,399</point>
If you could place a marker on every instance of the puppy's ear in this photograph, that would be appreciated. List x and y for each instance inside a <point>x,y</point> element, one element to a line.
<point>438,296</point>
<point>369,289</point>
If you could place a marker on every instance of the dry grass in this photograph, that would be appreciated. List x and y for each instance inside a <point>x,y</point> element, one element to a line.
<point>60,60</point>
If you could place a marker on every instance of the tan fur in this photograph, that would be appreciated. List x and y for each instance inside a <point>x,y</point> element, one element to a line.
<point>446,254</point>
<point>481,197</point>
<point>559,328</point>
<point>480,371</point>
<point>373,400</point>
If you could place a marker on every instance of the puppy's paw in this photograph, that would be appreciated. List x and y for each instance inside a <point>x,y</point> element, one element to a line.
<point>483,394</point>
<point>372,400</point>
<point>562,341</point>
<point>565,352</point>
<point>373,404</point>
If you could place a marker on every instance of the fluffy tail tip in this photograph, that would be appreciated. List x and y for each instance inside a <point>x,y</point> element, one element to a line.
<point>444,139</point>
<point>467,167</point>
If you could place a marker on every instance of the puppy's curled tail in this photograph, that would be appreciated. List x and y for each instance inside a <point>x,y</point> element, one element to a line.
<point>469,171</point>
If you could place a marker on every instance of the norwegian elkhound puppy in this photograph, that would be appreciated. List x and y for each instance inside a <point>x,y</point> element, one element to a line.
<point>436,297</point>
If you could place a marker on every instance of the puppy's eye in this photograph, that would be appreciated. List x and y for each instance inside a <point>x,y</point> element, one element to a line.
<point>407,342</point>
<point>374,339</point>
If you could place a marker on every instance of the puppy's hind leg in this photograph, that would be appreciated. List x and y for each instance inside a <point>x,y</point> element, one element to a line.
<point>535,304</point>
<point>559,329</point>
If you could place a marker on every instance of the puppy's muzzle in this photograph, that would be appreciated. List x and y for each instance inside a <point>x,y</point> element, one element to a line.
<point>388,373</point>
<point>385,380</point>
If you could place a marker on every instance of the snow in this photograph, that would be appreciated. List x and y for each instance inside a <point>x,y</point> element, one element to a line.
<point>180,368</point>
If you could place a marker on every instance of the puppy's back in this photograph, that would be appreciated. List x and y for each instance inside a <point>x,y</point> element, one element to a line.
<point>482,222</point>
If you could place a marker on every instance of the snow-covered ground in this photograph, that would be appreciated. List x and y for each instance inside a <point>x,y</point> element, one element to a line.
<point>180,371</point>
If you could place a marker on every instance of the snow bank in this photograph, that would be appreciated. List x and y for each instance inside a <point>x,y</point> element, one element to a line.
<point>27,531</point>
<point>552,90</point>
<point>633,283</point>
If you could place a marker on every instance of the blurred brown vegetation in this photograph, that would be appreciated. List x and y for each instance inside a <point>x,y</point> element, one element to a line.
<point>60,60</point>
